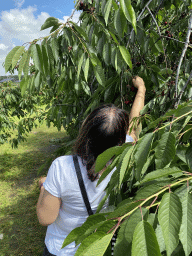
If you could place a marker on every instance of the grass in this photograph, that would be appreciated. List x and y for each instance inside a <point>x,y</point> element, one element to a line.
<point>20,169</point>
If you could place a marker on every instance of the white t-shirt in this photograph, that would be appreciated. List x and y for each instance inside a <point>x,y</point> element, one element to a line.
<point>62,182</point>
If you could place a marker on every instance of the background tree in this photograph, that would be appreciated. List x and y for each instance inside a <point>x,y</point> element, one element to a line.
<point>78,67</point>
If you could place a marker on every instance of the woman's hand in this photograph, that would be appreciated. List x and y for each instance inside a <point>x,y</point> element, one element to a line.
<point>138,83</point>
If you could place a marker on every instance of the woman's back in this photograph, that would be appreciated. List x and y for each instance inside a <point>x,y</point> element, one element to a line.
<point>62,182</point>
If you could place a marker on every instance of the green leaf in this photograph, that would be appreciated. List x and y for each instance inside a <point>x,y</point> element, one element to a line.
<point>129,12</point>
<point>107,53</point>
<point>108,170</point>
<point>107,10</point>
<point>17,55</point>
<point>37,57</point>
<point>91,224</point>
<point>149,161</point>
<point>123,209</point>
<point>51,21</point>
<point>86,69</point>
<point>55,49</point>
<point>160,239</point>
<point>115,5</point>
<point>80,30</point>
<point>88,242</point>
<point>145,241</point>
<point>165,150</point>
<point>78,232</point>
<point>161,173</point>
<point>117,23</point>
<point>72,236</point>
<point>45,60</point>
<point>98,247</point>
<point>126,56</point>
<point>114,37</point>
<point>26,65</point>
<point>80,65</point>
<point>107,225</point>
<point>22,64</point>
<point>142,153</point>
<point>124,9</point>
<point>124,163</point>
<point>95,60</point>
<point>55,27</point>
<point>186,225</point>
<point>24,85</point>
<point>98,70</point>
<point>128,226</point>
<point>103,158</point>
<point>37,80</point>
<point>50,54</point>
<point>157,41</point>
<point>189,157</point>
<point>153,220</point>
<point>86,88</point>
<point>9,57</point>
<point>146,191</point>
<point>169,216</point>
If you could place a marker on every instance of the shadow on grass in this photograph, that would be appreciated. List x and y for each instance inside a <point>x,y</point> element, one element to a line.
<point>22,234</point>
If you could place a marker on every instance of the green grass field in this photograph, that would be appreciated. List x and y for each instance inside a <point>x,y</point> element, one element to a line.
<point>20,232</point>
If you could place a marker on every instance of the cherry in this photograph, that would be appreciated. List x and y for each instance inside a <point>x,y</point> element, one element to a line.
<point>132,88</point>
<point>167,32</point>
<point>138,64</point>
<point>162,94</point>
<point>81,6</point>
<point>165,23</point>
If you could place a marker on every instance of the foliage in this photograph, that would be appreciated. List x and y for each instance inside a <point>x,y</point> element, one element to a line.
<point>17,112</point>
<point>80,66</point>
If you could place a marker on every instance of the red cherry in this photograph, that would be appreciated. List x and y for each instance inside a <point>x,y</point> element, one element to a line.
<point>165,23</point>
<point>166,32</point>
<point>138,64</point>
<point>132,88</point>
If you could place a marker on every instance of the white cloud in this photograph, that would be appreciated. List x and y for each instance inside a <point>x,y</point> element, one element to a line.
<point>19,3</point>
<point>19,26</point>
<point>75,17</point>
<point>3,47</point>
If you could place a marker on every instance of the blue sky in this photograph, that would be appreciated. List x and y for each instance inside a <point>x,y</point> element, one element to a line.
<point>21,20</point>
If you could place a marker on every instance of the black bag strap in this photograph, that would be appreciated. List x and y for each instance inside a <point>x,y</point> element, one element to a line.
<point>81,185</point>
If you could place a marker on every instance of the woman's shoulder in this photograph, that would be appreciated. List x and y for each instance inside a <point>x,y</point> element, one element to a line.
<point>63,160</point>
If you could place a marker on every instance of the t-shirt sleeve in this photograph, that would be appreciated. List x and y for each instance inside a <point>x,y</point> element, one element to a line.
<point>52,184</point>
<point>129,139</point>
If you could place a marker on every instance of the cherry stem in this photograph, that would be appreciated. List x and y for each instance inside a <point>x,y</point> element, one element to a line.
<point>141,212</point>
<point>153,201</point>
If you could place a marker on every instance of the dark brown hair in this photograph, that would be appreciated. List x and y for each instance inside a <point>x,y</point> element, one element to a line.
<point>105,127</point>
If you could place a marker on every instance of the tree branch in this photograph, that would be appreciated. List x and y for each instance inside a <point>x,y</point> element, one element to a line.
<point>183,53</point>
<point>159,33</point>
<point>122,93</point>
<point>138,18</point>
<point>182,91</point>
<point>154,20</point>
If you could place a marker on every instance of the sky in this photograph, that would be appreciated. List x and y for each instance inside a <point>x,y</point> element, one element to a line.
<point>21,21</point>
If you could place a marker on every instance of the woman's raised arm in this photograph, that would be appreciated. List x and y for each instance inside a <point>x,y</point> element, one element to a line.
<point>138,105</point>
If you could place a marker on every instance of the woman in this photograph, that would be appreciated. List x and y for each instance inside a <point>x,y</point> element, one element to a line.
<point>60,205</point>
